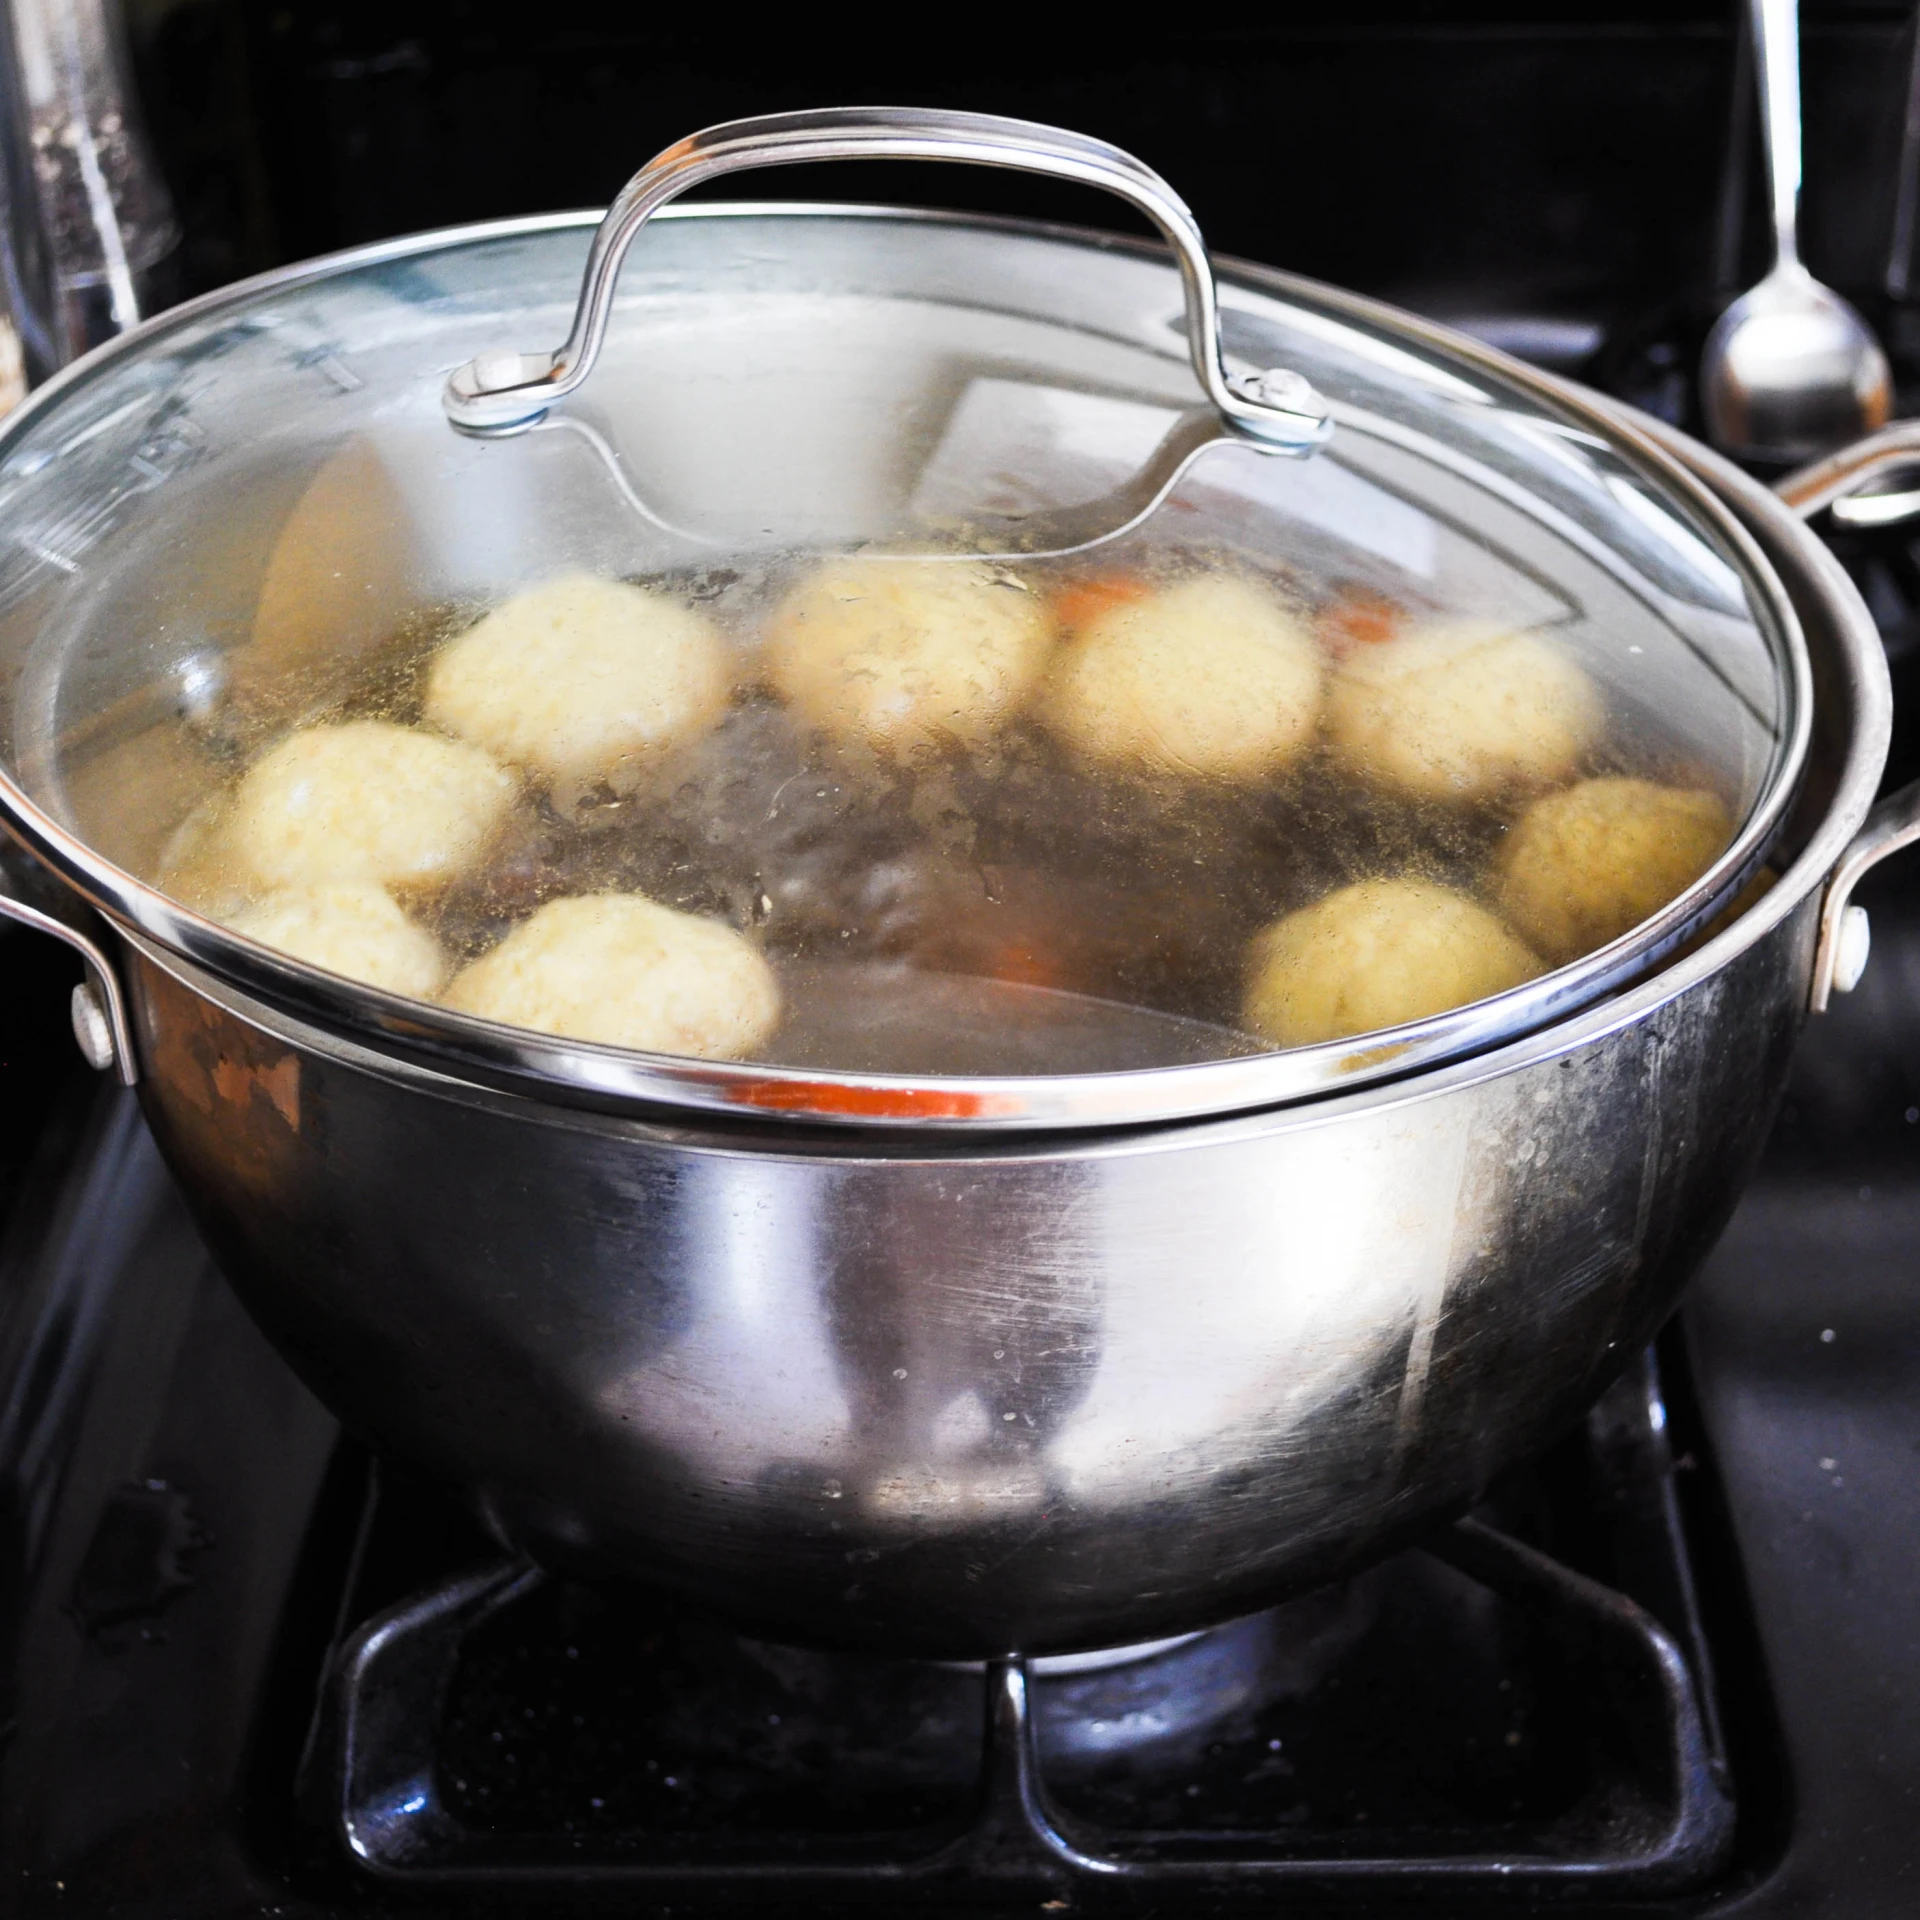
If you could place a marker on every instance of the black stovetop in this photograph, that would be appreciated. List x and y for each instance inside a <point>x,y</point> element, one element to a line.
<point>1674,1666</point>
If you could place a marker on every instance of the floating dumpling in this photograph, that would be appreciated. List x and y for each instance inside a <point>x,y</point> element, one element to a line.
<point>1211,676</point>
<point>1463,712</point>
<point>894,653</point>
<point>1377,954</point>
<point>350,928</point>
<point>624,971</point>
<point>1582,866</point>
<point>364,800</point>
<point>581,680</point>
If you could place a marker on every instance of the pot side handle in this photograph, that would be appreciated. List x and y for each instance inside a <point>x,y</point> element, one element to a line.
<point>1832,481</point>
<point>1841,955</point>
<point>1829,484</point>
<point>507,391</point>
<point>98,1007</point>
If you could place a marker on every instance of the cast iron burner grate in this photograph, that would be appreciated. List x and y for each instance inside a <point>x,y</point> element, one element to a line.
<point>1474,1714</point>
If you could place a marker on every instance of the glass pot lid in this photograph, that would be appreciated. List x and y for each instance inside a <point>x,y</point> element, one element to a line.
<point>882,667</point>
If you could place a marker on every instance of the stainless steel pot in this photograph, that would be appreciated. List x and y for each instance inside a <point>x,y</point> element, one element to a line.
<point>1043,1393</point>
<point>964,1392</point>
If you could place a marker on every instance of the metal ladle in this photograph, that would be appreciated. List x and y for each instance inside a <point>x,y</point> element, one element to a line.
<point>1790,370</point>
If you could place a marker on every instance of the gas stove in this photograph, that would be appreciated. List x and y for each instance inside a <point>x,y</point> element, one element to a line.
<point>1668,1667</point>
<point>1480,1713</point>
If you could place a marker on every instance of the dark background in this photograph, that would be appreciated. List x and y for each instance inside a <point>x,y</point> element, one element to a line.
<point>1504,164</point>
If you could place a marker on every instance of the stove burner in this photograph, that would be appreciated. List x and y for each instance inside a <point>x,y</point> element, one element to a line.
<point>1410,1724</point>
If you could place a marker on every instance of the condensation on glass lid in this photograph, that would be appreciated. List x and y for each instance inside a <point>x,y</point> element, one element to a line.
<point>902,815</point>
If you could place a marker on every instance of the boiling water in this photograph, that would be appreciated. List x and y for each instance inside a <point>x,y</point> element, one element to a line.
<point>997,909</point>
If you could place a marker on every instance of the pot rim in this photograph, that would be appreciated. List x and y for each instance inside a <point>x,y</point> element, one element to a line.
<point>459,1047</point>
<point>1862,662</point>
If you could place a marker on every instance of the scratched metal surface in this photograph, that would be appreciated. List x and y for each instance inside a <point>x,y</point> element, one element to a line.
<point>949,1400</point>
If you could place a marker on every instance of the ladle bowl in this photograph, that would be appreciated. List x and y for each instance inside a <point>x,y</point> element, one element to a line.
<point>1791,370</point>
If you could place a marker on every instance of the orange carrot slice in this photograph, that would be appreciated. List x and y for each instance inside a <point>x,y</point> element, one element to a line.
<point>1358,617</point>
<point>1077,602</point>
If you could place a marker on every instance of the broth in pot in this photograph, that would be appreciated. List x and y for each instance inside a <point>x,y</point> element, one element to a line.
<point>945,815</point>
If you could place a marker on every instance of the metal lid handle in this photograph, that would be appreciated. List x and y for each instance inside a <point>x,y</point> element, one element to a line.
<point>500,392</point>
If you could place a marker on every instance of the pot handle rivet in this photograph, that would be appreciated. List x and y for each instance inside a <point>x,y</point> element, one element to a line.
<point>505,391</point>
<point>92,1028</point>
<point>1851,948</point>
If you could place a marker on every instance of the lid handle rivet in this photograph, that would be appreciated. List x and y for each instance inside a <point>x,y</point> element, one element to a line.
<point>1281,387</point>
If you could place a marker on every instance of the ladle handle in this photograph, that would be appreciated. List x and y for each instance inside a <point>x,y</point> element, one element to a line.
<point>504,391</point>
<point>1776,58</point>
